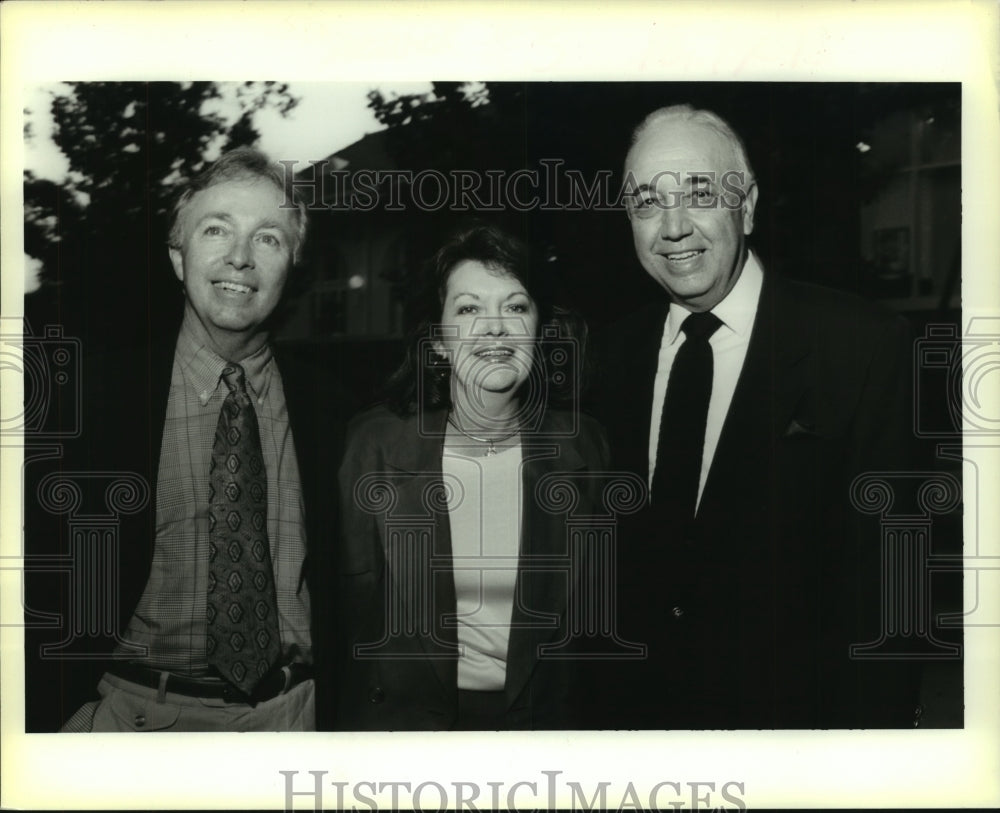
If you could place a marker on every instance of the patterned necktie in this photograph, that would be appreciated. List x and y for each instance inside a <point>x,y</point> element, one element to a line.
<point>243,640</point>
<point>682,422</point>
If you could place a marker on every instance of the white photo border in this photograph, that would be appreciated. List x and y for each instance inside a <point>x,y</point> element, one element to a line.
<point>384,42</point>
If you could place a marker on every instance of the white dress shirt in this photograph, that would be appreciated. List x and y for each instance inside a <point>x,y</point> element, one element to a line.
<point>729,350</point>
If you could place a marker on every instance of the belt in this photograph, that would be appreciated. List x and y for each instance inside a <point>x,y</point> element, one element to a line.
<point>276,682</point>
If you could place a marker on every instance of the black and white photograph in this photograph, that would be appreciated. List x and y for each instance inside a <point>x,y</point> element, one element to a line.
<point>490,437</point>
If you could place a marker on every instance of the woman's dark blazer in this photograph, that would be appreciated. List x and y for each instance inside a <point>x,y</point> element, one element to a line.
<point>398,661</point>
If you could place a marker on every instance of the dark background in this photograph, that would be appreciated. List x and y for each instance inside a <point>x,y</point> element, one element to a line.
<point>817,192</point>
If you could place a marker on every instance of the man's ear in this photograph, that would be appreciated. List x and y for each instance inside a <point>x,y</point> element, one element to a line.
<point>177,261</point>
<point>749,205</point>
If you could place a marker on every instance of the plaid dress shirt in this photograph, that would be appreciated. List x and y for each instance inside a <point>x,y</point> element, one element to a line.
<point>170,619</point>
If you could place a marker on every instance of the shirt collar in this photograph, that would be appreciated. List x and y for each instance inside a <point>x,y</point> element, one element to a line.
<point>736,311</point>
<point>203,367</point>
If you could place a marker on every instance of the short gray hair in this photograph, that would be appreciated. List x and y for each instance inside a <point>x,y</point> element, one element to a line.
<point>242,162</point>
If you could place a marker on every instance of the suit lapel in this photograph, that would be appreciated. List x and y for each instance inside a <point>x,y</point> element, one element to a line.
<point>306,408</point>
<point>628,372</point>
<point>161,365</point>
<point>771,388</point>
<point>540,600</point>
<point>140,434</point>
<point>418,477</point>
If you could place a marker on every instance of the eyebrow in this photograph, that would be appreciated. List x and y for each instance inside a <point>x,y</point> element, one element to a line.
<point>476,296</point>
<point>689,178</point>
<point>215,216</point>
<point>271,224</point>
<point>225,216</point>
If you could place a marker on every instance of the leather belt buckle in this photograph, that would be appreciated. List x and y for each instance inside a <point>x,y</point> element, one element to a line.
<point>269,687</point>
<point>279,681</point>
<point>233,695</point>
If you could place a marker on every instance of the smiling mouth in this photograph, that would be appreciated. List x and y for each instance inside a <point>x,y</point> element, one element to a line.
<point>683,256</point>
<point>233,287</point>
<point>495,353</point>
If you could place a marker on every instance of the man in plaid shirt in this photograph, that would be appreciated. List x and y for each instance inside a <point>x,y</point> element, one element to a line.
<point>235,237</point>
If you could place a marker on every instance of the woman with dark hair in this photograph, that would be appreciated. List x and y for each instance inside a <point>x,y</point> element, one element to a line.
<point>455,573</point>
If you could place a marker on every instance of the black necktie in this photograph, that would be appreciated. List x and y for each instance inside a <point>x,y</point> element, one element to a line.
<point>682,422</point>
<point>243,640</point>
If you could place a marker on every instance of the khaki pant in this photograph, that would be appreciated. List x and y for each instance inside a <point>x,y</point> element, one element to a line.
<point>127,706</point>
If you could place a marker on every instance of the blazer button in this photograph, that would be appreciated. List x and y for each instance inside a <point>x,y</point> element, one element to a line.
<point>140,721</point>
<point>677,612</point>
<point>376,695</point>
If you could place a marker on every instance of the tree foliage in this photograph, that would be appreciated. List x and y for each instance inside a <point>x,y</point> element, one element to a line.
<point>100,234</point>
<point>456,125</point>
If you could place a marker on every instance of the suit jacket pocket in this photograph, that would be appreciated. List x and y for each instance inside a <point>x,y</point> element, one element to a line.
<point>801,428</point>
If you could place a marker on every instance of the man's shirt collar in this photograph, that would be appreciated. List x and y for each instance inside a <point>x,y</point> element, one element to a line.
<point>203,366</point>
<point>736,311</point>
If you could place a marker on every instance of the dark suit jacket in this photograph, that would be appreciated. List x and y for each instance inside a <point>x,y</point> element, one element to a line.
<point>397,589</point>
<point>750,615</point>
<point>121,418</point>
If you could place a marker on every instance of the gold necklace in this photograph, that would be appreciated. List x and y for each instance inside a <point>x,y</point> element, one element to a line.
<point>492,450</point>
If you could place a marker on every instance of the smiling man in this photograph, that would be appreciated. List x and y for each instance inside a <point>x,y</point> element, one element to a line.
<point>232,247</point>
<point>231,434</point>
<point>748,403</point>
<point>692,207</point>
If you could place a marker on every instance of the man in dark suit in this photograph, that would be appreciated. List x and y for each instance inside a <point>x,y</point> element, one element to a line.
<point>214,601</point>
<point>749,403</point>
